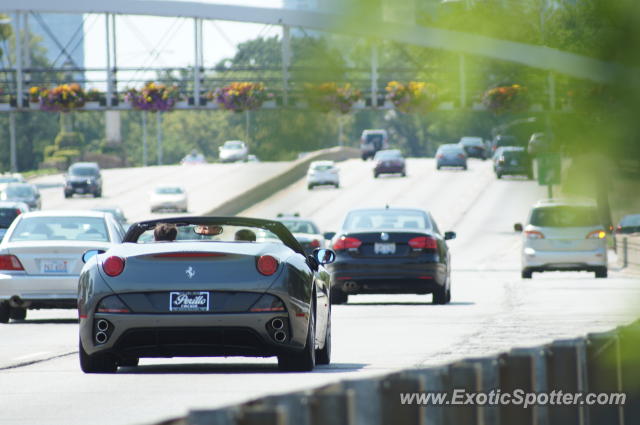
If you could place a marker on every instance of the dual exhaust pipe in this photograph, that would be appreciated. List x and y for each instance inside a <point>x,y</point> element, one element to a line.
<point>101,336</point>
<point>280,334</point>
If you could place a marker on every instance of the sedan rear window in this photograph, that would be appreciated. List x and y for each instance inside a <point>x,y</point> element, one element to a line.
<point>386,219</point>
<point>7,215</point>
<point>631,220</point>
<point>169,191</point>
<point>83,171</point>
<point>565,216</point>
<point>296,226</point>
<point>61,228</point>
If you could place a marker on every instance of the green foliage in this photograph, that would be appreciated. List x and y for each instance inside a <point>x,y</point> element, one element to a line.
<point>69,140</point>
<point>50,151</point>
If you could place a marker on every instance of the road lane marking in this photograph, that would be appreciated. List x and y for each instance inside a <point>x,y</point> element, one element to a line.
<point>28,356</point>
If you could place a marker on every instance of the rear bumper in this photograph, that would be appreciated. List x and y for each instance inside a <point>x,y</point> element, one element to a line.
<point>389,169</point>
<point>563,260</point>
<point>192,335</point>
<point>53,291</point>
<point>376,277</point>
<point>324,179</point>
<point>451,163</point>
<point>513,170</point>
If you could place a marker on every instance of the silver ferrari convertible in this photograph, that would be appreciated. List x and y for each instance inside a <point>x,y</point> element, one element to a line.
<point>205,286</point>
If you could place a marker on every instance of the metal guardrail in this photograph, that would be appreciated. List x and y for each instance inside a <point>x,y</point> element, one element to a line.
<point>628,247</point>
<point>604,362</point>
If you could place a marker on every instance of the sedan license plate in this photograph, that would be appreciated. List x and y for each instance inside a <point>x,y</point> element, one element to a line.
<point>189,301</point>
<point>384,248</point>
<point>55,266</point>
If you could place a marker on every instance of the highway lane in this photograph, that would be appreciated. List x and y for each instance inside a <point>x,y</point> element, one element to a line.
<point>207,185</point>
<point>492,310</point>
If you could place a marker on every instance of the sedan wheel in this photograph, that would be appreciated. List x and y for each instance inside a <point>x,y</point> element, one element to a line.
<point>526,274</point>
<point>440,296</point>
<point>304,361</point>
<point>18,313</point>
<point>601,273</point>
<point>97,363</point>
<point>338,296</point>
<point>4,312</point>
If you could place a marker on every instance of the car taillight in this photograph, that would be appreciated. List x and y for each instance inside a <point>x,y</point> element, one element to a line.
<point>113,266</point>
<point>423,242</point>
<point>533,234</point>
<point>10,262</point>
<point>440,156</point>
<point>460,156</point>
<point>346,242</point>
<point>18,212</point>
<point>112,304</point>
<point>267,265</point>
<point>314,243</point>
<point>619,228</point>
<point>597,234</point>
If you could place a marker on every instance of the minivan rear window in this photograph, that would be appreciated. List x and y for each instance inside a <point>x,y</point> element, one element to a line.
<point>565,216</point>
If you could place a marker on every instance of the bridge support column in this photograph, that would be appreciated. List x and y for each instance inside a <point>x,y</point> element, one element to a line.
<point>198,61</point>
<point>159,136</point>
<point>286,63</point>
<point>145,150</point>
<point>463,82</point>
<point>17,29</point>
<point>374,76</point>
<point>13,156</point>
<point>112,88</point>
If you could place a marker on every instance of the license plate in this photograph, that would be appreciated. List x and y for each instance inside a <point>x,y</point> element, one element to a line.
<point>189,301</point>
<point>384,248</point>
<point>55,266</point>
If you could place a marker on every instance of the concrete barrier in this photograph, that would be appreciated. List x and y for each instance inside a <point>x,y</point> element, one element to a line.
<point>294,173</point>
<point>628,250</point>
<point>606,362</point>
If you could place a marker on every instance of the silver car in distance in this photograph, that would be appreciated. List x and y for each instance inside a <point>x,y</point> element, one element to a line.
<point>223,287</point>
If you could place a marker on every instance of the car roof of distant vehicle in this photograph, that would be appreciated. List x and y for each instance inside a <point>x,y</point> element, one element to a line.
<point>65,213</point>
<point>173,187</point>
<point>111,210</point>
<point>233,143</point>
<point>384,211</point>
<point>630,219</point>
<point>450,146</point>
<point>14,204</point>
<point>586,202</point>
<point>301,221</point>
<point>471,141</point>
<point>11,177</point>
<point>84,164</point>
<point>325,163</point>
<point>388,152</point>
<point>374,131</point>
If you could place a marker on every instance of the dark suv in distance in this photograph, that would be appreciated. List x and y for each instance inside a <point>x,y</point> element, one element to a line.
<point>83,178</point>
<point>512,161</point>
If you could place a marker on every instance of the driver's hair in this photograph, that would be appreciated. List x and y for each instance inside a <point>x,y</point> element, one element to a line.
<point>165,232</point>
<point>245,235</point>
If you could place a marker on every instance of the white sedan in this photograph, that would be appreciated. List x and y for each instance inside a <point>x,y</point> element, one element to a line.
<point>323,173</point>
<point>233,150</point>
<point>41,258</point>
<point>168,198</point>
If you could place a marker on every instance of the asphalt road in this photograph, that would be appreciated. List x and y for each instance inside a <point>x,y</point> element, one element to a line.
<point>492,310</point>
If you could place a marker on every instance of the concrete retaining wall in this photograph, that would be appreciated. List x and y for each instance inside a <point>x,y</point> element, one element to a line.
<point>605,362</point>
<point>628,249</point>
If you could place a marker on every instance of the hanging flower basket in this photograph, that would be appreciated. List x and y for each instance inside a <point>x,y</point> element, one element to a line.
<point>415,96</point>
<point>153,97</point>
<point>62,98</point>
<point>328,97</point>
<point>240,96</point>
<point>503,99</point>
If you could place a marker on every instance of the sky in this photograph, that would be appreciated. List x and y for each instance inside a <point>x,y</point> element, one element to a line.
<point>145,41</point>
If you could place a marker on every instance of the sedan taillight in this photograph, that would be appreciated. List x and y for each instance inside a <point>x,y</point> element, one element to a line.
<point>314,243</point>
<point>267,265</point>
<point>10,262</point>
<point>113,266</point>
<point>423,242</point>
<point>346,242</point>
<point>533,234</point>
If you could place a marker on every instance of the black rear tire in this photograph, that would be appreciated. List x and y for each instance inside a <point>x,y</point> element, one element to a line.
<point>526,274</point>
<point>4,312</point>
<point>305,360</point>
<point>440,296</point>
<point>68,195</point>
<point>17,313</point>
<point>601,273</point>
<point>338,296</point>
<point>323,355</point>
<point>97,363</point>
<point>499,175</point>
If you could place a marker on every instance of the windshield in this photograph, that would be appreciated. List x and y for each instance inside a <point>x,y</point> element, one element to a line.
<point>233,145</point>
<point>7,215</point>
<point>297,226</point>
<point>471,141</point>
<point>322,167</point>
<point>61,228</point>
<point>83,171</point>
<point>386,219</point>
<point>374,138</point>
<point>450,148</point>
<point>631,220</point>
<point>19,191</point>
<point>565,216</point>
<point>169,191</point>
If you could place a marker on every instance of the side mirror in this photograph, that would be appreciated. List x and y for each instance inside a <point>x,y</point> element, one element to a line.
<point>517,227</point>
<point>324,256</point>
<point>449,235</point>
<point>88,255</point>
<point>329,235</point>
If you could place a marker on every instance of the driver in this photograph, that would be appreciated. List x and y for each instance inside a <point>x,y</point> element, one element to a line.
<point>245,235</point>
<point>165,232</point>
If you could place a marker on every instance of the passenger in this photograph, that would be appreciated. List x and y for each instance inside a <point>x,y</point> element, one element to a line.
<point>245,235</point>
<point>165,232</point>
